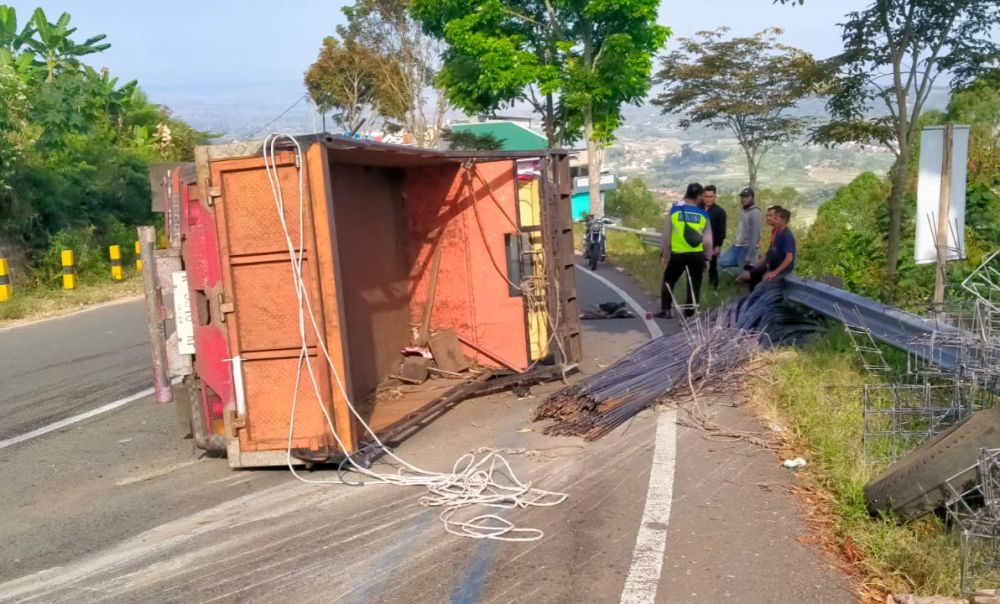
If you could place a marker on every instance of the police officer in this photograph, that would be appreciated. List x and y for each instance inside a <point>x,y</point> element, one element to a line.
<point>687,247</point>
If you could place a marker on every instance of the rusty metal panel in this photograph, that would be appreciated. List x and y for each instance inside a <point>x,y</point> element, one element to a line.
<point>260,303</point>
<point>558,224</point>
<point>268,306</point>
<point>269,384</point>
<point>368,204</point>
<point>331,286</point>
<point>254,227</point>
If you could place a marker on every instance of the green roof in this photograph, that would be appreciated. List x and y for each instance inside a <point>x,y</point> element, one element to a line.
<point>514,136</point>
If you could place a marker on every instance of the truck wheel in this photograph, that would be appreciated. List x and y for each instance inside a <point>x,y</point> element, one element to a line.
<point>182,404</point>
<point>914,485</point>
<point>214,445</point>
<point>192,388</point>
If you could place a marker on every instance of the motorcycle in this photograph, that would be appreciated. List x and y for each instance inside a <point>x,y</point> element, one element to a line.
<point>594,243</point>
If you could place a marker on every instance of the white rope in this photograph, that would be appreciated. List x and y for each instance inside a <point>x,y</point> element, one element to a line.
<point>487,482</point>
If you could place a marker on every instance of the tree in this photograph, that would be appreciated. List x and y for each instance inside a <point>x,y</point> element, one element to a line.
<point>463,139</point>
<point>11,39</point>
<point>894,51</point>
<point>406,69</point>
<point>596,55</point>
<point>52,42</point>
<point>499,54</point>
<point>350,79</point>
<point>743,85</point>
<point>635,204</point>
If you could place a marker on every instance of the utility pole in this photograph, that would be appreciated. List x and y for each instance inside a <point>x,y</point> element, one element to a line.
<point>943,222</point>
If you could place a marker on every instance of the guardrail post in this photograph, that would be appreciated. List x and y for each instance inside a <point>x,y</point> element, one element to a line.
<point>68,269</point>
<point>5,285</point>
<point>115,252</point>
<point>138,257</point>
<point>157,339</point>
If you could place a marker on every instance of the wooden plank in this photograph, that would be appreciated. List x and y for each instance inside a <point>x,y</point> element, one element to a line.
<point>447,351</point>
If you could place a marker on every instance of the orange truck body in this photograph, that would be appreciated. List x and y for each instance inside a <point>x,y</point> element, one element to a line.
<point>373,216</point>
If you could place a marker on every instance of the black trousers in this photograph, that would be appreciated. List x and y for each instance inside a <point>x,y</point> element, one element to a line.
<point>694,264</point>
<point>756,276</point>
<point>713,272</point>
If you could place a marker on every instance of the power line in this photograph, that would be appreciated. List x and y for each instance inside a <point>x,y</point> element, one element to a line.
<point>280,115</point>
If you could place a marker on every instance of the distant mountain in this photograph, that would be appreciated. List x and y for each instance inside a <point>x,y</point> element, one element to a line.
<point>649,145</point>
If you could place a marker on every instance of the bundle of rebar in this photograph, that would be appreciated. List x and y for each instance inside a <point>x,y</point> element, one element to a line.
<point>711,347</point>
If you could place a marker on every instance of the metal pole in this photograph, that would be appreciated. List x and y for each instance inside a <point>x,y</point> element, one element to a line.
<point>157,339</point>
<point>944,212</point>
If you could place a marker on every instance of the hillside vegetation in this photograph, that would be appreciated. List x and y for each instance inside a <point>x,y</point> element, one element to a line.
<point>75,144</point>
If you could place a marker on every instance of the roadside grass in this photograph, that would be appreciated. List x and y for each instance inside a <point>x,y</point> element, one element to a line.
<point>812,393</point>
<point>37,302</point>
<point>643,264</point>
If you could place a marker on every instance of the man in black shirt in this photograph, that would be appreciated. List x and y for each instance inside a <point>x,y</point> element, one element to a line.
<point>717,219</point>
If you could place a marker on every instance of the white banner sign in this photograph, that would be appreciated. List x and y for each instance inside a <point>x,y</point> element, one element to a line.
<point>929,193</point>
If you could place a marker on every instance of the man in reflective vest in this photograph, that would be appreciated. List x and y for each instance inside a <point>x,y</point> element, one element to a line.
<point>687,248</point>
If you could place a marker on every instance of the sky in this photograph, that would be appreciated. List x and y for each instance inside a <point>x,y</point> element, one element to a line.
<point>188,53</point>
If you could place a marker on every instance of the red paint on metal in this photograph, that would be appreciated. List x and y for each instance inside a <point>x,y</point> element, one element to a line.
<point>200,253</point>
<point>473,296</point>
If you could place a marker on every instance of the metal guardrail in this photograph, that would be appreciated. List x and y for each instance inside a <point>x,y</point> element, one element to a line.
<point>887,324</point>
<point>650,238</point>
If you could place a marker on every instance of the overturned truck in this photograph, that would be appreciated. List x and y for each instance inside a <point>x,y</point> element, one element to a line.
<point>297,270</point>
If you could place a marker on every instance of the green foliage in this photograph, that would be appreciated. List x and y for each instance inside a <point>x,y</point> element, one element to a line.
<point>585,58</point>
<point>355,80</point>
<point>877,88</point>
<point>380,65</point>
<point>745,85</point>
<point>846,239</point>
<point>463,139</point>
<point>74,146</point>
<point>498,53</point>
<point>850,237</point>
<point>635,204</point>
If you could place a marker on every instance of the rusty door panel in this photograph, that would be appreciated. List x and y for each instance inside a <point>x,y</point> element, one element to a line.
<point>263,324</point>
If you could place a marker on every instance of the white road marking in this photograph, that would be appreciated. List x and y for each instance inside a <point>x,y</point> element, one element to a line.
<point>69,421</point>
<point>654,329</point>
<point>651,540</point>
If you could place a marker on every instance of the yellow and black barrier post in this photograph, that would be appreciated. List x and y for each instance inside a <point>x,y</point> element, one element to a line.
<point>5,290</point>
<point>68,269</point>
<point>138,257</point>
<point>116,262</point>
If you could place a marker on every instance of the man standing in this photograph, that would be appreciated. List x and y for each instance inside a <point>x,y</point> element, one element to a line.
<point>717,218</point>
<point>687,247</point>
<point>743,253</point>
<point>780,257</point>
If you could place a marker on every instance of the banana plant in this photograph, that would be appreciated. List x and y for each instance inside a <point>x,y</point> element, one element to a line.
<point>11,39</point>
<point>117,100</point>
<point>54,46</point>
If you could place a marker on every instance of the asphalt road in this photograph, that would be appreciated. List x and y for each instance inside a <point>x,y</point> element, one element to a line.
<point>118,508</point>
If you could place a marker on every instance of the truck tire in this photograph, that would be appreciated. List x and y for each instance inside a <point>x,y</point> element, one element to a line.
<point>914,485</point>
<point>213,444</point>
<point>182,404</point>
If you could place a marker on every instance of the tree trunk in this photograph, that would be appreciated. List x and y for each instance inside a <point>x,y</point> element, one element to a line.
<point>550,121</point>
<point>593,164</point>
<point>899,174</point>
<point>751,169</point>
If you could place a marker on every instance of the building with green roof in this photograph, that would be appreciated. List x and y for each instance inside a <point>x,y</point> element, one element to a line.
<point>515,137</point>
